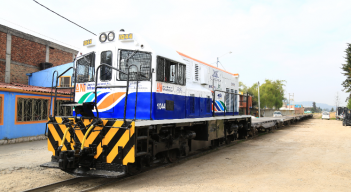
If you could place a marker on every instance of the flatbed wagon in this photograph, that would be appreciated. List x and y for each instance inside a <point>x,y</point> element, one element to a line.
<point>270,123</point>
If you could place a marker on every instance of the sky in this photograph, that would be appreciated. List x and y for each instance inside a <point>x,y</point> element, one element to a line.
<point>299,41</point>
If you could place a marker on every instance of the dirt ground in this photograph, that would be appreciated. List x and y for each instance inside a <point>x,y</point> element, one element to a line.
<point>319,115</point>
<point>313,155</point>
<point>19,166</point>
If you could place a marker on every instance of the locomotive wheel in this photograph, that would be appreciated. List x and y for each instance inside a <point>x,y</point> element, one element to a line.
<point>274,128</point>
<point>252,133</point>
<point>133,168</point>
<point>246,136</point>
<point>172,156</point>
<point>228,140</point>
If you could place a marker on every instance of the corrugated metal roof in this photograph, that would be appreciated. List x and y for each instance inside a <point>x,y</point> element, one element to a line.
<point>33,88</point>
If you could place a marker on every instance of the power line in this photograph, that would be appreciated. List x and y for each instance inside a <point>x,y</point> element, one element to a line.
<point>65,18</point>
<point>221,65</point>
<point>39,33</point>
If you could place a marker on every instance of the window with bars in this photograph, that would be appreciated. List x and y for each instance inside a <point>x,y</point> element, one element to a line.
<point>231,107</point>
<point>227,100</point>
<point>170,71</point>
<point>86,68</point>
<point>236,101</point>
<point>181,74</point>
<point>62,110</point>
<point>32,109</point>
<point>106,72</point>
<point>65,81</point>
<point>141,60</point>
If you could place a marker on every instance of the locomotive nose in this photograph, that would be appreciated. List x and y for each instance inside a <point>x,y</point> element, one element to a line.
<point>90,146</point>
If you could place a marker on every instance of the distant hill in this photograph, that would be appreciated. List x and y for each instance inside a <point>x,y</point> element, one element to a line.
<point>309,104</point>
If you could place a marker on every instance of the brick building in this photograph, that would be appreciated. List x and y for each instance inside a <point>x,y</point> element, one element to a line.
<point>21,53</point>
<point>243,101</point>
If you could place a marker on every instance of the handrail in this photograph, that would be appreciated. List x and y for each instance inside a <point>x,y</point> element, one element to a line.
<point>65,72</point>
<point>136,90</point>
<point>58,76</point>
<point>126,97</point>
<point>52,86</point>
<point>96,79</point>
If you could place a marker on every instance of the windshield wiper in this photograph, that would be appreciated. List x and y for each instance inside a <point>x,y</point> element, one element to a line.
<point>131,56</point>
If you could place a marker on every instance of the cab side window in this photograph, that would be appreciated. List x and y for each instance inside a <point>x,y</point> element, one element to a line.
<point>170,71</point>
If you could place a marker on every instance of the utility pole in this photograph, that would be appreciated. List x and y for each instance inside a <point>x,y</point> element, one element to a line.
<point>292,95</point>
<point>217,62</point>
<point>337,101</point>
<point>259,108</point>
<point>222,56</point>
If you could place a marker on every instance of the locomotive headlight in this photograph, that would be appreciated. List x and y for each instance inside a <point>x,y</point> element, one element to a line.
<point>103,37</point>
<point>111,36</point>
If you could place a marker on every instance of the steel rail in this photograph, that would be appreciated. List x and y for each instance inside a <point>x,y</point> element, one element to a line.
<point>59,184</point>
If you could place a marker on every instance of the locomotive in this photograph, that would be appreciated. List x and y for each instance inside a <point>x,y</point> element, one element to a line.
<point>136,103</point>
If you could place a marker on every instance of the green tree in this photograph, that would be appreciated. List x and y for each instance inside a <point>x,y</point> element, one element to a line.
<point>251,91</point>
<point>242,87</point>
<point>314,107</point>
<point>349,103</point>
<point>347,71</point>
<point>272,93</point>
<point>332,109</point>
<point>319,109</point>
<point>313,110</point>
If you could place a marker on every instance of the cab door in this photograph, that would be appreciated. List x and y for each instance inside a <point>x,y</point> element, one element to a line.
<point>106,97</point>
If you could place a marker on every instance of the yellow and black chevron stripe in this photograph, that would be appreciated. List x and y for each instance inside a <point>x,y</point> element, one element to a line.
<point>114,145</point>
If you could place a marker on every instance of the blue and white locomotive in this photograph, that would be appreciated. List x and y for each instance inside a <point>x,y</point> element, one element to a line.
<point>171,84</point>
<point>136,103</point>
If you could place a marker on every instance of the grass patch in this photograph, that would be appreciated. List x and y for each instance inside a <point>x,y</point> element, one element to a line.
<point>331,118</point>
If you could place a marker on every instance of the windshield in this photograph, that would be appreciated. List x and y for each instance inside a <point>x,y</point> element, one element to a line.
<point>278,112</point>
<point>141,60</point>
<point>325,113</point>
<point>85,68</point>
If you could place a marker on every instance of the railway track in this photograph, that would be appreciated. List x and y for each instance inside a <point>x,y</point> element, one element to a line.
<point>108,181</point>
<point>59,184</point>
<point>103,182</point>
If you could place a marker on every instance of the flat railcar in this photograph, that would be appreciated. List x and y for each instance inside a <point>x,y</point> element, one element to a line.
<point>136,103</point>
